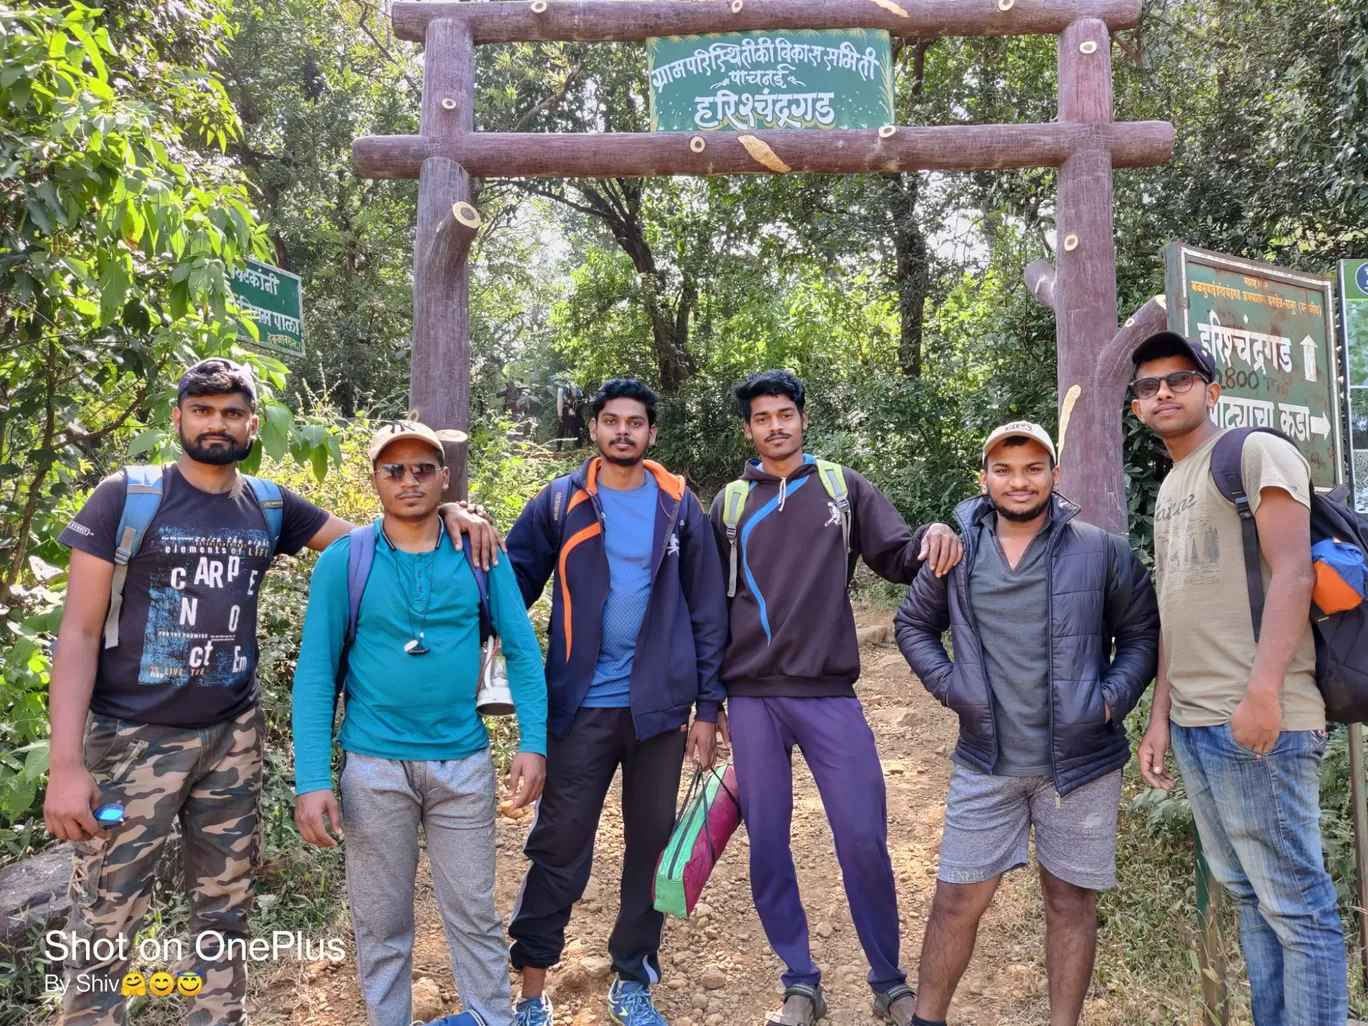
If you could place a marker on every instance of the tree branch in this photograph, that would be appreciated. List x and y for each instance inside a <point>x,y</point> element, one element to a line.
<point>550,101</point>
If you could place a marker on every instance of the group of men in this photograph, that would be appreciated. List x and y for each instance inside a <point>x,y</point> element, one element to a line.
<point>672,627</point>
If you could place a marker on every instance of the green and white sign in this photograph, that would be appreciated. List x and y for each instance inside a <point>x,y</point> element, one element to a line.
<point>1353,292</point>
<point>274,300</point>
<point>745,81</point>
<point>1271,332</point>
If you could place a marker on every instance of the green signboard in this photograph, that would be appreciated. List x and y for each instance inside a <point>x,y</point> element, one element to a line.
<point>274,300</point>
<point>1271,332</point>
<point>1353,293</point>
<point>745,81</point>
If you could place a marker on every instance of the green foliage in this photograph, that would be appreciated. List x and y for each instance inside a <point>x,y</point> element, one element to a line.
<point>118,229</point>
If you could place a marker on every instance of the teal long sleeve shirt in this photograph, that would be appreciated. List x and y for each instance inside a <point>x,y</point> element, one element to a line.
<point>402,706</point>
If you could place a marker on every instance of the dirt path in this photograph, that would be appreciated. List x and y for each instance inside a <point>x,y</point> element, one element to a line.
<point>725,949</point>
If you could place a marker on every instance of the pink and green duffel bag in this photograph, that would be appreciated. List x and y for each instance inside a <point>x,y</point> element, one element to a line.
<point>709,816</point>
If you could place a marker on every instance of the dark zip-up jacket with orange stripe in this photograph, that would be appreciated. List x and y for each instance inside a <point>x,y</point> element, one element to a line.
<point>792,628</point>
<point>678,657</point>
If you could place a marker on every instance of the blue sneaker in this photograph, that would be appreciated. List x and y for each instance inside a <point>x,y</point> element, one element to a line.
<point>535,1011</point>
<point>630,1004</point>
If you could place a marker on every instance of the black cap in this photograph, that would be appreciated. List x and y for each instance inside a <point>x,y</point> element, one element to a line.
<point>1170,343</point>
<point>217,376</point>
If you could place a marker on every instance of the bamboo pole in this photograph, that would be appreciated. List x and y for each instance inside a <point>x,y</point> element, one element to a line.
<point>834,151</point>
<point>606,21</point>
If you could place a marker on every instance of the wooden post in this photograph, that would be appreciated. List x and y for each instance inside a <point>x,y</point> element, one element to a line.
<point>1084,289</point>
<point>439,374</point>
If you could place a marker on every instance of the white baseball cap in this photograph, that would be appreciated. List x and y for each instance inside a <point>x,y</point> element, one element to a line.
<point>1021,429</point>
<point>406,429</point>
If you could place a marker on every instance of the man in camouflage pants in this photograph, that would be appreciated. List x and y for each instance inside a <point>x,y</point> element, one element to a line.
<point>154,699</point>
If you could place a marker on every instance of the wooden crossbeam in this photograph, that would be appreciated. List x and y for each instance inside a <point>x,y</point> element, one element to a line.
<point>606,21</point>
<point>837,151</point>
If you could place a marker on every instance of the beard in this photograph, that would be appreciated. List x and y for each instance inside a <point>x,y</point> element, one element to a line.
<point>619,460</point>
<point>1020,516</point>
<point>215,455</point>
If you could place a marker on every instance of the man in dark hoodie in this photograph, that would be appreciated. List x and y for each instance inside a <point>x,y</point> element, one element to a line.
<point>790,533</point>
<point>638,626</point>
<point>1056,636</point>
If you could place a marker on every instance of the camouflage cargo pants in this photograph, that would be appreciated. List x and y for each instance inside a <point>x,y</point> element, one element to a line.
<point>210,779</point>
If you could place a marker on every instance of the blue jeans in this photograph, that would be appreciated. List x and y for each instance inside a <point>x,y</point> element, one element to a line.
<point>1259,820</point>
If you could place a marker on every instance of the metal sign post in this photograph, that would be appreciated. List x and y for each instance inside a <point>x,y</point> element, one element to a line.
<point>1353,295</point>
<point>1210,953</point>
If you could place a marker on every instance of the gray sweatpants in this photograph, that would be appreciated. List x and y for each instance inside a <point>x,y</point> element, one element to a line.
<point>383,801</point>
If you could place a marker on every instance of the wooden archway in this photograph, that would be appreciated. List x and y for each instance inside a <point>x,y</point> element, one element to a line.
<point>1084,143</point>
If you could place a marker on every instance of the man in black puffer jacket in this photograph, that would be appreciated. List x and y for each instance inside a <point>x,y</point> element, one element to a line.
<point>1055,632</point>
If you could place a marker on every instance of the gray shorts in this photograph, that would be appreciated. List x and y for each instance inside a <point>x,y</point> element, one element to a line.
<point>988,823</point>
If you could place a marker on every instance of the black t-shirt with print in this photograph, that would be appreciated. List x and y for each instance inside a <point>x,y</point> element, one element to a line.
<point>187,649</point>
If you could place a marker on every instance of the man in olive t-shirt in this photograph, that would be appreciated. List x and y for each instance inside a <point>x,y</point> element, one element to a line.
<point>1245,719</point>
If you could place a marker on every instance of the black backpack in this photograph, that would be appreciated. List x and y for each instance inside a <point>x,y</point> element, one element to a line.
<point>1341,637</point>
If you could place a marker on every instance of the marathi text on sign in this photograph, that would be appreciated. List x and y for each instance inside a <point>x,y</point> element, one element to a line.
<point>1269,331</point>
<point>747,81</point>
<point>273,298</point>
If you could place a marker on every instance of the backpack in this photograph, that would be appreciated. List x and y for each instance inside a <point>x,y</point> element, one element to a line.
<point>360,559</point>
<point>561,489</point>
<point>1339,540</point>
<point>736,493</point>
<point>141,502</point>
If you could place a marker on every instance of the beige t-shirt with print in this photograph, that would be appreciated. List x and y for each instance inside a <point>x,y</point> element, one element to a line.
<point>1203,595</point>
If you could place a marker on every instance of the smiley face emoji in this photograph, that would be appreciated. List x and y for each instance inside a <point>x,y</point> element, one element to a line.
<point>161,984</point>
<point>189,982</point>
<point>134,985</point>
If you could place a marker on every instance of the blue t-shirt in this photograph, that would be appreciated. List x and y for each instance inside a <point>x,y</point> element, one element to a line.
<point>399,706</point>
<point>628,537</point>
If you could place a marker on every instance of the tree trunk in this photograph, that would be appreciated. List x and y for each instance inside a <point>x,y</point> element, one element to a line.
<point>911,270</point>
<point>617,203</point>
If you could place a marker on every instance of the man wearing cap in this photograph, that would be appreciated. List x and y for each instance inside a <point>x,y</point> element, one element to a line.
<point>154,700</point>
<point>1239,705</point>
<point>1055,637</point>
<point>416,749</point>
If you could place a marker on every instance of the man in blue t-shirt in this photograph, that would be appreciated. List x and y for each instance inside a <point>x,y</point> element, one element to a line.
<point>416,749</point>
<point>638,625</point>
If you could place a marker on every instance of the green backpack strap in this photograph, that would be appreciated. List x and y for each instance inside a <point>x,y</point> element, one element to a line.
<point>833,480</point>
<point>733,505</point>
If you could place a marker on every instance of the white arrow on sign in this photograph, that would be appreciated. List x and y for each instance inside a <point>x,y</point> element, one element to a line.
<point>1308,345</point>
<point>1320,426</point>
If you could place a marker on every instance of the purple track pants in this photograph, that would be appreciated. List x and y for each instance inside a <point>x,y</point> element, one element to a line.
<point>839,749</point>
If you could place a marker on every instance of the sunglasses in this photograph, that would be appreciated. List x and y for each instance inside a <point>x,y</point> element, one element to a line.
<point>1178,381</point>
<point>394,472</point>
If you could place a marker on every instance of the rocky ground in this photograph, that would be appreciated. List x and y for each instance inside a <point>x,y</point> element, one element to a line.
<point>718,967</point>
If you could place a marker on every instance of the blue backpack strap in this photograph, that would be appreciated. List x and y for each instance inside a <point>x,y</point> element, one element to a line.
<point>360,557</point>
<point>142,499</point>
<point>272,505</point>
<point>560,502</point>
<point>482,586</point>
